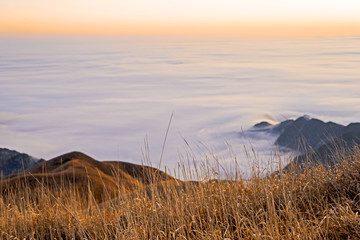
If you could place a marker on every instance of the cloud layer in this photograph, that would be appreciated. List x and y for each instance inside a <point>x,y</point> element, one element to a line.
<point>105,96</point>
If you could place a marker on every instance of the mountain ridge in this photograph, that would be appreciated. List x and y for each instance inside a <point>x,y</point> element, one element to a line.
<point>340,149</point>
<point>13,162</point>
<point>78,170</point>
<point>316,142</point>
<point>305,133</point>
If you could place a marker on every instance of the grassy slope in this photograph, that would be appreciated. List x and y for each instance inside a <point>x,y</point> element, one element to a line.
<point>313,204</point>
<point>78,171</point>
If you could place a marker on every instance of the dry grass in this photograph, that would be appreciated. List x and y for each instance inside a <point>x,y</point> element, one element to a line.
<point>313,204</point>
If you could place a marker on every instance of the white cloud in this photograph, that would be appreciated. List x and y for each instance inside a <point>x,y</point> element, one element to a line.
<point>104,97</point>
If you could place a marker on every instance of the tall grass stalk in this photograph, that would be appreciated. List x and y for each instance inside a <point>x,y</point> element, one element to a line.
<point>317,203</point>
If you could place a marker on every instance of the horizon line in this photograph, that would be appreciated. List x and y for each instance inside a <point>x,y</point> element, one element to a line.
<point>255,31</point>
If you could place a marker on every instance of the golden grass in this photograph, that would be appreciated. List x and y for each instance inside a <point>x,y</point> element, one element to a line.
<point>80,172</point>
<point>312,204</point>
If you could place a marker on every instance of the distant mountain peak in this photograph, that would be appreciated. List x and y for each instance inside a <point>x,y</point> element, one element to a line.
<point>304,132</point>
<point>306,135</point>
<point>261,127</point>
<point>307,117</point>
<point>13,162</point>
<point>262,124</point>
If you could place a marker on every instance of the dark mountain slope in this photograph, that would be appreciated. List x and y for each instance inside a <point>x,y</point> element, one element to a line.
<point>13,162</point>
<point>316,142</point>
<point>334,152</point>
<point>305,133</point>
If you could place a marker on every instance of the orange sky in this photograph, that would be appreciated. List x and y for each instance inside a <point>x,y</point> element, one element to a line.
<point>233,18</point>
<point>251,30</point>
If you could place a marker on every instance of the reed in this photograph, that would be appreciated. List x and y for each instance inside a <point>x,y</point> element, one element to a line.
<point>316,203</point>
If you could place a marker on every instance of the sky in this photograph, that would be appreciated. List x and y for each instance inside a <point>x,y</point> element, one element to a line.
<point>243,18</point>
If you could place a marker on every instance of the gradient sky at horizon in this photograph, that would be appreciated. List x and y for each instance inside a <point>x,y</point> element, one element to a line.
<point>255,18</point>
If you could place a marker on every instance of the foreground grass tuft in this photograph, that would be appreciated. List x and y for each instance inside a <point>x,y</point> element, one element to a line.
<point>311,204</point>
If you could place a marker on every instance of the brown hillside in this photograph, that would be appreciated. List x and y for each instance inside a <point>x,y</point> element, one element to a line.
<point>80,172</point>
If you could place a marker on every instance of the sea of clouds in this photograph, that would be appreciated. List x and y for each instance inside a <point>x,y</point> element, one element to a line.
<point>110,96</point>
